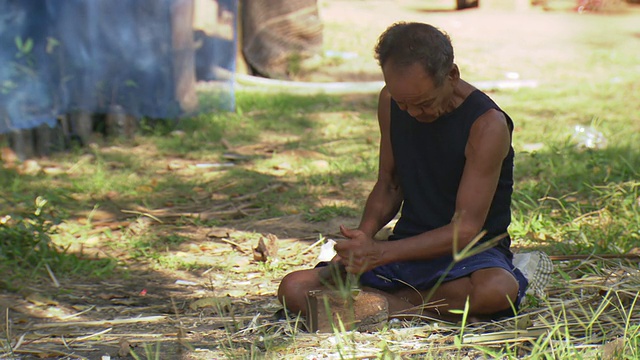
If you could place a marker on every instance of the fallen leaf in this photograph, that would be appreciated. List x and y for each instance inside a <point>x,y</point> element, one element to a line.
<point>236,293</point>
<point>53,171</point>
<point>320,164</point>
<point>40,300</point>
<point>112,195</point>
<point>124,347</point>
<point>8,156</point>
<point>613,349</point>
<point>260,252</point>
<point>240,264</point>
<point>266,249</point>
<point>219,303</point>
<point>283,166</point>
<point>30,167</point>
<point>194,248</point>
<point>185,283</point>
<point>218,233</point>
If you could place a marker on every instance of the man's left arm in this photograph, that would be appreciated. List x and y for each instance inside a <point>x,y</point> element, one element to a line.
<point>488,145</point>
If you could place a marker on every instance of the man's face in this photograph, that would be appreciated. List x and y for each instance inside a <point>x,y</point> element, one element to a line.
<point>416,93</point>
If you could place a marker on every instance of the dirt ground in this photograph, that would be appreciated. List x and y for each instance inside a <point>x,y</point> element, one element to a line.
<point>191,314</point>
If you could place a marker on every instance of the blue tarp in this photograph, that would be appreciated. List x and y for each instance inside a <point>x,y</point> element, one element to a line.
<point>60,56</point>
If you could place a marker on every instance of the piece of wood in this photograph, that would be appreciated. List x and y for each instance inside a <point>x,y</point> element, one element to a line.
<point>145,319</point>
<point>329,310</point>
<point>241,63</point>
<point>184,55</point>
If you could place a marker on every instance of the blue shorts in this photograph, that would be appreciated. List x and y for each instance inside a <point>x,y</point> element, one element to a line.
<point>423,275</point>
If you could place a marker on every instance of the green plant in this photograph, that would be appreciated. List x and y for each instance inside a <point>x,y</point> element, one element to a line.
<point>25,241</point>
<point>150,352</point>
<point>26,247</point>
<point>464,314</point>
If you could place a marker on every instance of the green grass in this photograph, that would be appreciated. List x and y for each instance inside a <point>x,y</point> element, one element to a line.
<point>569,199</point>
<point>27,249</point>
<point>566,199</point>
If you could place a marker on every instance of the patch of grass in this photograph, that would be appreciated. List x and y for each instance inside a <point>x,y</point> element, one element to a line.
<point>569,199</point>
<point>27,249</point>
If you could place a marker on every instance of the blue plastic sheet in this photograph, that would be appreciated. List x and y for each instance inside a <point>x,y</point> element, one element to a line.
<point>61,56</point>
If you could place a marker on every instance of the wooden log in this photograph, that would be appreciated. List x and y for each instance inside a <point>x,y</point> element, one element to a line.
<point>241,64</point>
<point>331,309</point>
<point>184,55</point>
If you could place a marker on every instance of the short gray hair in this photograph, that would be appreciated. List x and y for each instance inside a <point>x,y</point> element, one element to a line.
<point>405,44</point>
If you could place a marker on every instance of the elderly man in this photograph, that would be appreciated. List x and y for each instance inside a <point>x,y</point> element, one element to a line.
<point>446,162</point>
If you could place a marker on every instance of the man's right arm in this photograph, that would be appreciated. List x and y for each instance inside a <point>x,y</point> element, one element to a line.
<point>385,198</point>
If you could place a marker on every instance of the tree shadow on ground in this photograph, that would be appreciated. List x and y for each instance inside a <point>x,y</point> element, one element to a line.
<point>176,234</point>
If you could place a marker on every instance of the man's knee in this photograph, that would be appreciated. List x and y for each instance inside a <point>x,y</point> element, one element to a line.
<point>494,290</point>
<point>289,286</point>
<point>294,287</point>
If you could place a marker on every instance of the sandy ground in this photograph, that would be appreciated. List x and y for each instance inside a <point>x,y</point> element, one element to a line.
<point>500,39</point>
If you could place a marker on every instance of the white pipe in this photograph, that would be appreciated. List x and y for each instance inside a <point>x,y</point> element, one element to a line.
<point>254,83</point>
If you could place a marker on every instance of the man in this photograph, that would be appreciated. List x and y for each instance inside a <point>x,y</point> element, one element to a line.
<point>446,160</point>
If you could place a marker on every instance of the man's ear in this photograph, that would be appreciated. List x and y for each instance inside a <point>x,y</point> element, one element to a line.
<point>454,73</point>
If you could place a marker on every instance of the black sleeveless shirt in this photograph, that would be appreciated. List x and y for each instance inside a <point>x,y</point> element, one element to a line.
<point>429,159</point>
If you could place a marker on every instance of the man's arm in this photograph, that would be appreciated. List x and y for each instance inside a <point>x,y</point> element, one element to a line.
<point>385,198</point>
<point>383,203</point>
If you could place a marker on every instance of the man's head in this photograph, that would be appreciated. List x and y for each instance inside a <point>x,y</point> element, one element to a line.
<point>417,64</point>
<point>405,44</point>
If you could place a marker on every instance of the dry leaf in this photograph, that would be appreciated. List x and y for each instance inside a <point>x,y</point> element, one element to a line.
<point>53,170</point>
<point>266,250</point>
<point>236,293</point>
<point>612,349</point>
<point>320,164</point>
<point>174,165</point>
<point>218,233</point>
<point>219,303</point>
<point>30,167</point>
<point>124,348</point>
<point>283,166</point>
<point>260,252</point>
<point>239,264</point>
<point>40,300</point>
<point>8,156</point>
<point>194,248</point>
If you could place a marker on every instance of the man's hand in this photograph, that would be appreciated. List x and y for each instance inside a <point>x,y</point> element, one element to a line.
<point>360,252</point>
